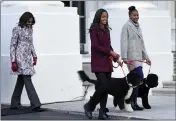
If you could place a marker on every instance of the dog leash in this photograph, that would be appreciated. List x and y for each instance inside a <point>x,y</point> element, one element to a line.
<point>130,63</point>
<point>112,59</point>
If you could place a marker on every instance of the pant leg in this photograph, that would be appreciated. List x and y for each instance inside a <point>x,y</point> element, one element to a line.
<point>104,98</point>
<point>16,96</point>
<point>31,92</point>
<point>100,91</point>
<point>140,72</point>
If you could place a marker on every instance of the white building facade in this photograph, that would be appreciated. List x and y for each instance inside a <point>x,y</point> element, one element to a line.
<point>162,5</point>
<point>67,59</point>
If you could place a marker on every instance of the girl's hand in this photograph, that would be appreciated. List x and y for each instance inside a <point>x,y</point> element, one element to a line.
<point>120,63</point>
<point>148,62</point>
<point>115,55</point>
<point>125,61</point>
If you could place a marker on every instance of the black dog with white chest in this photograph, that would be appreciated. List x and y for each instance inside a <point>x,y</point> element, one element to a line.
<point>120,88</point>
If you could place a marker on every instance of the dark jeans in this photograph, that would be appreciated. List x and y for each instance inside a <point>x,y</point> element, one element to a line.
<point>100,95</point>
<point>32,95</point>
<point>140,72</point>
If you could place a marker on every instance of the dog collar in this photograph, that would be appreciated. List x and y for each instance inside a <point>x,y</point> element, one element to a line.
<point>145,83</point>
<point>130,85</point>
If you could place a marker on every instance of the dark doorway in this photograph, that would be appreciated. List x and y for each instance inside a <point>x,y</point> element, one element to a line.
<point>66,3</point>
<point>82,21</point>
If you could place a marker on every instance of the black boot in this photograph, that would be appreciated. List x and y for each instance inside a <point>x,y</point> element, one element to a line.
<point>87,111</point>
<point>17,107</point>
<point>102,114</point>
<point>135,106</point>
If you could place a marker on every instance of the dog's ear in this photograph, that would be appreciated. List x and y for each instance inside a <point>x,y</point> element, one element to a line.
<point>133,72</point>
<point>83,76</point>
<point>152,80</point>
<point>152,77</point>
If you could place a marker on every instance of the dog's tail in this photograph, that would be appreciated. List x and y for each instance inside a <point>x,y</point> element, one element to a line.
<point>84,77</point>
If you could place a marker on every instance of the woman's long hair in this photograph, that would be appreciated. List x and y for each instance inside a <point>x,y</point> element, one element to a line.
<point>97,19</point>
<point>25,18</point>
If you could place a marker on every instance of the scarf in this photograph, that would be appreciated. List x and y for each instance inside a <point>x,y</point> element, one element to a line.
<point>137,26</point>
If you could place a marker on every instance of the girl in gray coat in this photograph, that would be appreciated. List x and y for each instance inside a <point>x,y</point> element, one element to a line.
<point>23,58</point>
<point>133,48</point>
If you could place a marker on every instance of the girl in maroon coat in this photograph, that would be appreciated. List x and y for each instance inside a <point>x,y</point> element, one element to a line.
<point>101,65</point>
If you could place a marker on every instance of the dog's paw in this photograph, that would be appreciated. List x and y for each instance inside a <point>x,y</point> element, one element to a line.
<point>147,107</point>
<point>128,108</point>
<point>116,108</point>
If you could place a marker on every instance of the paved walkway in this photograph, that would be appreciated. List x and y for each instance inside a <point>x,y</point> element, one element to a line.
<point>163,107</point>
<point>50,114</point>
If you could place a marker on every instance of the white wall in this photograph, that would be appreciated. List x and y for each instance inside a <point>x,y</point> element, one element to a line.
<point>161,5</point>
<point>56,39</point>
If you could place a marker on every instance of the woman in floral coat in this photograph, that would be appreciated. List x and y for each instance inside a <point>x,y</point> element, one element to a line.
<point>23,58</point>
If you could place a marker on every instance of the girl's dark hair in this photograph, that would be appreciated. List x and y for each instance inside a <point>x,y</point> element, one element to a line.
<point>24,18</point>
<point>131,9</point>
<point>97,19</point>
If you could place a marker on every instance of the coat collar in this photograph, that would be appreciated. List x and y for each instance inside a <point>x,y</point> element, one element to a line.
<point>134,28</point>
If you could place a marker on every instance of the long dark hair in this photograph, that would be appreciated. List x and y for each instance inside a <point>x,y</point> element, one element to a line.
<point>25,18</point>
<point>97,19</point>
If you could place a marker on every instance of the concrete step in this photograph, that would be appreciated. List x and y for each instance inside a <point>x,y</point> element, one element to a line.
<point>163,91</point>
<point>86,56</point>
<point>170,84</point>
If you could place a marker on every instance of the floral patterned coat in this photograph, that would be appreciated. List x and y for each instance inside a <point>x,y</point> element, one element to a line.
<point>22,50</point>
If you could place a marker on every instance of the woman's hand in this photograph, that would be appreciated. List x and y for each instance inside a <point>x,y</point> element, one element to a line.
<point>14,66</point>
<point>34,60</point>
<point>115,55</point>
<point>148,62</point>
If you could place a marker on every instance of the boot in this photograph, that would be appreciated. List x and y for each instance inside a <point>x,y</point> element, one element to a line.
<point>87,111</point>
<point>102,114</point>
<point>135,106</point>
<point>17,107</point>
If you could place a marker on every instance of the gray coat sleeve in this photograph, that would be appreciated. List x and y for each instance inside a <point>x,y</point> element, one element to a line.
<point>144,52</point>
<point>124,42</point>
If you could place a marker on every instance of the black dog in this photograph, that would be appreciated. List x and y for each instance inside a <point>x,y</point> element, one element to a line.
<point>150,81</point>
<point>120,88</point>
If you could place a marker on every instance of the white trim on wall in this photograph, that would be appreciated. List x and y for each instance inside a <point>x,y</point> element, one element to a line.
<point>155,2</point>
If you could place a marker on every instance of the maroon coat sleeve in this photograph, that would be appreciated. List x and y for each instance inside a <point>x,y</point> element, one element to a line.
<point>110,44</point>
<point>111,48</point>
<point>95,43</point>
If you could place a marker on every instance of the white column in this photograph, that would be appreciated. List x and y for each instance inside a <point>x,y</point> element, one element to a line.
<point>90,6</point>
<point>56,40</point>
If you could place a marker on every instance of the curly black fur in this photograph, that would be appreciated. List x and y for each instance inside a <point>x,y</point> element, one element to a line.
<point>150,81</point>
<point>118,86</point>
